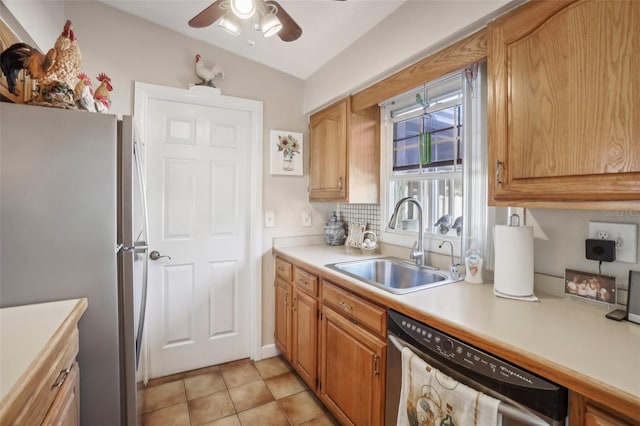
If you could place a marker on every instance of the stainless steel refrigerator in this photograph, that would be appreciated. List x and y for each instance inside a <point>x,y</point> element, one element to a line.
<point>73,224</point>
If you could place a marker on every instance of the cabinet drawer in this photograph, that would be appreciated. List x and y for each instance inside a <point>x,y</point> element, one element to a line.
<point>51,375</point>
<point>357,310</point>
<point>283,269</point>
<point>305,281</point>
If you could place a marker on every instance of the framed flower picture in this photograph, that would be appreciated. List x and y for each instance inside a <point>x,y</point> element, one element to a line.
<point>285,153</point>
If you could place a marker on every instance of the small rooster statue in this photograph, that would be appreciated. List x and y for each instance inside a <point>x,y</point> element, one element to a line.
<point>102,99</point>
<point>57,69</point>
<point>207,75</point>
<point>83,93</point>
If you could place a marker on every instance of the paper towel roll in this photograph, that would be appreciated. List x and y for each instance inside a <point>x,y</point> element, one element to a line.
<point>513,268</point>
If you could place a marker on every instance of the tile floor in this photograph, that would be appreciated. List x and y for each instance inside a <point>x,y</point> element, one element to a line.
<point>242,392</point>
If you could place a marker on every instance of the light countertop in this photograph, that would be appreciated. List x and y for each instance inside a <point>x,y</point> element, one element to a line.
<point>568,341</point>
<point>25,332</point>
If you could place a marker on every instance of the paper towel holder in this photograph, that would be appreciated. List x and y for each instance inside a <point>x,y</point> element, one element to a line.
<point>511,219</point>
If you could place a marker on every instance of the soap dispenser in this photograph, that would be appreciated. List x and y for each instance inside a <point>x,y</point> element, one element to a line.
<point>473,264</point>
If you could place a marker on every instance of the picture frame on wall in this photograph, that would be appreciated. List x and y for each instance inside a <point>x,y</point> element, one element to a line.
<point>286,153</point>
<point>600,288</point>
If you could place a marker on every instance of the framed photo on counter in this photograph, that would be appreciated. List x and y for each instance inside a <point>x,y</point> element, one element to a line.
<point>601,288</point>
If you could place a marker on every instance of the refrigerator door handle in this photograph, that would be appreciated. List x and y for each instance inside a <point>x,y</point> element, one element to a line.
<point>142,248</point>
<point>134,249</point>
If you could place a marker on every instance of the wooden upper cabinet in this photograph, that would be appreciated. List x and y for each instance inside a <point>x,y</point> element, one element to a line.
<point>564,102</point>
<point>344,158</point>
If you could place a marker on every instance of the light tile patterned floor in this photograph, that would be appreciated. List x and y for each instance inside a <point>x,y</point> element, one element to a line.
<point>242,392</point>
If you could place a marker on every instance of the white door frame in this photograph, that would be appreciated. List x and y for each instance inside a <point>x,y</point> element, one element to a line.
<point>143,92</point>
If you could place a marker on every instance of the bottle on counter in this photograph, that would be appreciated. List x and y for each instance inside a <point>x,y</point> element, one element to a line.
<point>473,265</point>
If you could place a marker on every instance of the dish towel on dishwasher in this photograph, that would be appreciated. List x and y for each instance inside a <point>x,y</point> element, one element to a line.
<point>429,397</point>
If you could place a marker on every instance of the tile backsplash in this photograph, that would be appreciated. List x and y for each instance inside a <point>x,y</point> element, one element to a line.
<point>369,213</point>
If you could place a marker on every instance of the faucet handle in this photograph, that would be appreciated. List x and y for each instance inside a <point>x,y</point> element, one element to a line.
<point>415,253</point>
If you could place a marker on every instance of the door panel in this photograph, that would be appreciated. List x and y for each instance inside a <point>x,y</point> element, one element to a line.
<point>199,208</point>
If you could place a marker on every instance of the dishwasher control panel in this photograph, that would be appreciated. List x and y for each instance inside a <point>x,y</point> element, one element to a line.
<point>447,348</point>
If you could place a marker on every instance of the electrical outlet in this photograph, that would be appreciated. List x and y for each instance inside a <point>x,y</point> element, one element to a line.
<point>624,234</point>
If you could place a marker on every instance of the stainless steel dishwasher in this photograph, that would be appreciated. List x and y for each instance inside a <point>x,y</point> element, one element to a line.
<point>526,399</point>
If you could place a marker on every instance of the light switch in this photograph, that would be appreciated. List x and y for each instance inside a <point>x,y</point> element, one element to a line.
<point>269,219</point>
<point>306,216</point>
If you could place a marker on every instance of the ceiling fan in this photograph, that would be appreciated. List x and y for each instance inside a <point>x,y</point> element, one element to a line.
<point>271,18</point>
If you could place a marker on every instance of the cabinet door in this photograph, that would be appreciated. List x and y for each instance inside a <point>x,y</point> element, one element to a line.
<point>305,337</point>
<point>65,409</point>
<point>595,417</point>
<point>587,412</point>
<point>328,153</point>
<point>283,317</point>
<point>352,371</point>
<point>564,102</point>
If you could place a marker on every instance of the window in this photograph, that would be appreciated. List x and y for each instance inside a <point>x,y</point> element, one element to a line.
<point>433,147</point>
<point>427,155</point>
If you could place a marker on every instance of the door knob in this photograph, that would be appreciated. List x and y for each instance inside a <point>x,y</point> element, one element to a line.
<point>155,255</point>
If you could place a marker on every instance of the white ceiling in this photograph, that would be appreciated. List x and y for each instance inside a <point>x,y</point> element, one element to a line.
<point>328,27</point>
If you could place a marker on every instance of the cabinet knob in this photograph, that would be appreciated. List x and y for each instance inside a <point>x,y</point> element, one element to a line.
<point>340,183</point>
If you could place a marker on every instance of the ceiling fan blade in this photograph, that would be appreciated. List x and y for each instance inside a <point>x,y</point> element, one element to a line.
<point>209,15</point>
<point>290,29</point>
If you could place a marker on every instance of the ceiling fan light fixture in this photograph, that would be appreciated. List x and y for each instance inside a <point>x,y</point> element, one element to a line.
<point>270,24</point>
<point>243,9</point>
<point>231,24</point>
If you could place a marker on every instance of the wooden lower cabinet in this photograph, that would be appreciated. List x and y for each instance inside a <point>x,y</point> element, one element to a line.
<point>586,412</point>
<point>47,392</point>
<point>305,337</point>
<point>283,317</point>
<point>335,340</point>
<point>352,371</point>
<point>296,328</point>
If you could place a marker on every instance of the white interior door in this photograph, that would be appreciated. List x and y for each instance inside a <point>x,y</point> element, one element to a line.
<point>200,199</point>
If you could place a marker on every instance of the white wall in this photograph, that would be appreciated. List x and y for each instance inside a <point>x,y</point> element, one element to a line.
<point>560,238</point>
<point>414,30</point>
<point>43,20</point>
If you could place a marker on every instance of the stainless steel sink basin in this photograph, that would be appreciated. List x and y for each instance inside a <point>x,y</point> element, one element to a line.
<point>392,274</point>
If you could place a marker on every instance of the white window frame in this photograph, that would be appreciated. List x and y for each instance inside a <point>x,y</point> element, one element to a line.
<point>474,177</point>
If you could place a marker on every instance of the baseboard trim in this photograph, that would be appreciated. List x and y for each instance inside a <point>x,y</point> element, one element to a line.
<point>269,351</point>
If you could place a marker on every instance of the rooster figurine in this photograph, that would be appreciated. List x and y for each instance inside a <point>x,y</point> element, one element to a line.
<point>207,75</point>
<point>102,99</point>
<point>83,93</point>
<point>58,68</point>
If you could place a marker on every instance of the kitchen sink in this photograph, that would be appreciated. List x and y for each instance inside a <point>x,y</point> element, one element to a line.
<point>394,275</point>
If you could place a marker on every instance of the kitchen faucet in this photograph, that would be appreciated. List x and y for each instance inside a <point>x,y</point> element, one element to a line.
<point>417,252</point>
<point>453,267</point>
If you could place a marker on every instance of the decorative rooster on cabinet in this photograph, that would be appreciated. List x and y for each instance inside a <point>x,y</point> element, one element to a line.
<point>83,93</point>
<point>102,99</point>
<point>57,70</point>
<point>207,75</point>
